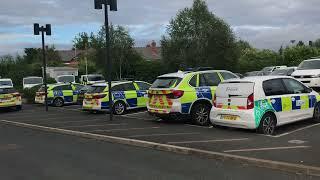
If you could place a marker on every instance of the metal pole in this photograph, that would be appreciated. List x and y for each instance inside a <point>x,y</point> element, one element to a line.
<point>86,54</point>
<point>44,69</point>
<point>108,60</point>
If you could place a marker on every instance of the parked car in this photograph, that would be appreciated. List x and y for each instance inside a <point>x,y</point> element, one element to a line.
<point>82,92</point>
<point>9,97</point>
<point>270,69</point>
<point>283,72</point>
<point>308,72</point>
<point>189,94</point>
<point>6,83</point>
<point>263,103</point>
<point>92,79</point>
<point>59,94</point>
<point>31,81</point>
<point>66,79</point>
<point>126,95</point>
<point>253,73</point>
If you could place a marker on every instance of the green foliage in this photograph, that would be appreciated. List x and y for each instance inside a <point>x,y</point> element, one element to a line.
<point>149,70</point>
<point>294,55</point>
<point>29,94</point>
<point>196,37</point>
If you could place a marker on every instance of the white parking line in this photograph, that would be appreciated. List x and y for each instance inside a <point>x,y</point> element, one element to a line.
<point>300,129</point>
<point>205,141</point>
<point>172,134</point>
<point>65,122</point>
<point>128,129</point>
<point>266,149</point>
<point>92,125</point>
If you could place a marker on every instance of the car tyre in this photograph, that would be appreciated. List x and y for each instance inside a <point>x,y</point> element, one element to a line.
<point>267,124</point>
<point>200,114</point>
<point>119,108</point>
<point>58,102</point>
<point>316,113</point>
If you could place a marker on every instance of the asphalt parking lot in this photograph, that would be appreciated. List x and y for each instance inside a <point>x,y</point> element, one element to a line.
<point>296,143</point>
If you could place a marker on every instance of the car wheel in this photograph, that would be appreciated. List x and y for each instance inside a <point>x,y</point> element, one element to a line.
<point>267,124</point>
<point>200,114</point>
<point>58,102</point>
<point>316,114</point>
<point>119,108</point>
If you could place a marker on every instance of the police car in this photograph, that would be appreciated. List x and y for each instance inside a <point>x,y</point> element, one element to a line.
<point>126,95</point>
<point>263,103</point>
<point>59,94</point>
<point>10,98</point>
<point>175,95</point>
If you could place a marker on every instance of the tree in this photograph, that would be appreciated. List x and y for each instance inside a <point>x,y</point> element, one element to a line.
<point>196,37</point>
<point>243,45</point>
<point>300,43</point>
<point>82,41</point>
<point>317,43</point>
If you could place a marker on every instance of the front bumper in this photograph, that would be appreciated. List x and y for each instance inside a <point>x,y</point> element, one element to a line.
<point>245,118</point>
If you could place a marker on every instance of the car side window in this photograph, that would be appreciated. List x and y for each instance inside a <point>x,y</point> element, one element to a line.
<point>66,87</point>
<point>193,81</point>
<point>227,75</point>
<point>58,88</point>
<point>143,86</point>
<point>129,87</point>
<point>209,79</point>
<point>294,86</point>
<point>274,87</point>
<point>78,87</point>
<point>119,87</point>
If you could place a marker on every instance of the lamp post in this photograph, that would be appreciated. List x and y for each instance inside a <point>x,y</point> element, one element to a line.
<point>36,31</point>
<point>113,7</point>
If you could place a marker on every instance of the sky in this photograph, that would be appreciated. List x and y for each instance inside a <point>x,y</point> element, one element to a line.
<point>263,23</point>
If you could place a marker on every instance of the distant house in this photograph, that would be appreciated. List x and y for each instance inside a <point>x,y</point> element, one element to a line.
<point>54,72</point>
<point>70,57</point>
<point>151,52</point>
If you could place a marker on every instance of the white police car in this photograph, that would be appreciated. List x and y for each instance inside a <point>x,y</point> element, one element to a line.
<point>263,103</point>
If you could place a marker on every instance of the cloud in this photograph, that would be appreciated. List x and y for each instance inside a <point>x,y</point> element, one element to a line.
<point>264,23</point>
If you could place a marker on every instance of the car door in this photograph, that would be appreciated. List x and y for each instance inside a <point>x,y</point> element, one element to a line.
<point>301,98</point>
<point>131,94</point>
<point>277,95</point>
<point>67,93</point>
<point>76,91</point>
<point>141,93</point>
<point>208,83</point>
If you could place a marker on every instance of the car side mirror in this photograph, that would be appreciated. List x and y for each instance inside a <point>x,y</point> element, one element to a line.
<point>309,90</point>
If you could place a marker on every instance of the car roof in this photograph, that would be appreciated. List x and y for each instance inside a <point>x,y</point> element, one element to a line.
<point>182,74</point>
<point>256,78</point>
<point>312,60</point>
<point>5,80</point>
<point>31,77</point>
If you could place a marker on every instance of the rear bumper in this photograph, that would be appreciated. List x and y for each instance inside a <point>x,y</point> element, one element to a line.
<point>174,108</point>
<point>41,100</point>
<point>94,105</point>
<point>245,118</point>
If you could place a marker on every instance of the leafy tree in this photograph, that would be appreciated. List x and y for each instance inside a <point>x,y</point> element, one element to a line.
<point>82,41</point>
<point>317,43</point>
<point>196,37</point>
<point>243,45</point>
<point>300,43</point>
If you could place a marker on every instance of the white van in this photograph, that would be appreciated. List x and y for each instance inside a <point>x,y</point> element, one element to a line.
<point>92,79</point>
<point>308,72</point>
<point>263,103</point>
<point>66,79</point>
<point>6,83</point>
<point>31,81</point>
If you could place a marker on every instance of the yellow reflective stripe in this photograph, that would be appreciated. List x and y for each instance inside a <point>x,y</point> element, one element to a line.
<point>305,105</point>
<point>286,103</point>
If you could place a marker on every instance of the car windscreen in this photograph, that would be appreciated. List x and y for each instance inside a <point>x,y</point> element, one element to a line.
<point>5,83</point>
<point>66,79</point>
<point>7,90</point>
<point>32,81</point>
<point>166,82</point>
<point>280,72</point>
<point>96,89</point>
<point>95,78</point>
<point>315,64</point>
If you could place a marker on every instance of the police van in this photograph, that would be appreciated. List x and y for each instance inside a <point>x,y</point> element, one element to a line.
<point>126,95</point>
<point>188,93</point>
<point>59,94</point>
<point>263,103</point>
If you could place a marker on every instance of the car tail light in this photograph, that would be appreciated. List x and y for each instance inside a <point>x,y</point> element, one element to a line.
<point>175,94</point>
<point>215,100</point>
<point>250,102</point>
<point>100,96</point>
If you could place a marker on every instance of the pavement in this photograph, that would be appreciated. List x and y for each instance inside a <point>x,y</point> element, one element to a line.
<point>297,143</point>
<point>35,155</point>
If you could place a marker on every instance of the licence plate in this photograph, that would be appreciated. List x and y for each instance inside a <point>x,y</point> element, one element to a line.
<point>229,117</point>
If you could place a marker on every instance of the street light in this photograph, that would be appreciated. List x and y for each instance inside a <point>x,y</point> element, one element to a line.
<point>36,31</point>
<point>113,7</point>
